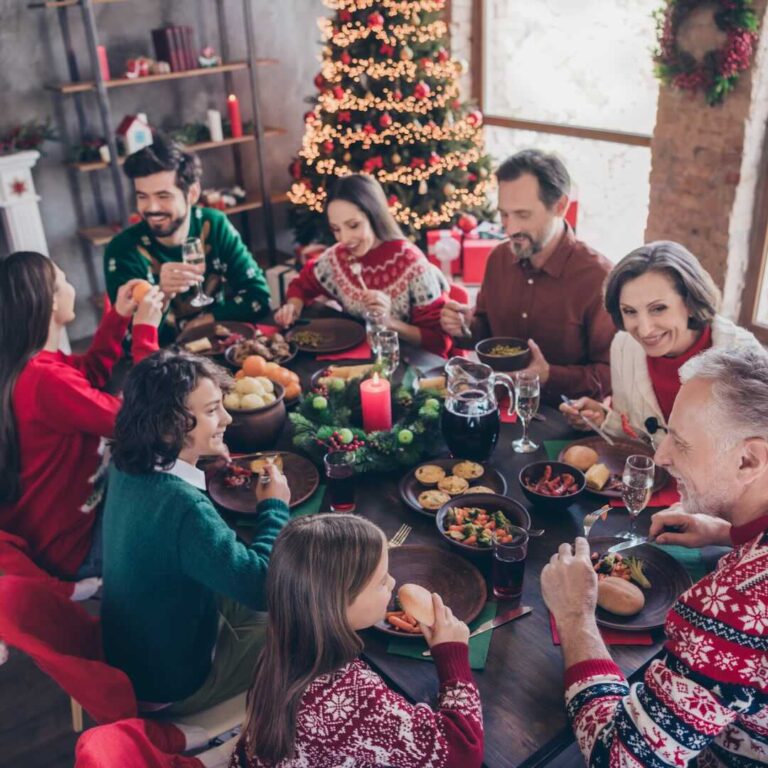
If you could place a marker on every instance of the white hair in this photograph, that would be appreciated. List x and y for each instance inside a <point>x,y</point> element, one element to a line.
<point>739,389</point>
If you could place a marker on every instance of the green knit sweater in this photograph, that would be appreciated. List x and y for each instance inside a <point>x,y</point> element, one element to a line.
<point>167,554</point>
<point>232,276</point>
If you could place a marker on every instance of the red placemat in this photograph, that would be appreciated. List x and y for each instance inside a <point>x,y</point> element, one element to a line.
<point>610,636</point>
<point>506,417</point>
<point>267,330</point>
<point>666,497</point>
<point>361,352</point>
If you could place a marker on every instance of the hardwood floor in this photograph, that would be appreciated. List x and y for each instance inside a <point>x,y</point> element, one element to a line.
<point>35,721</point>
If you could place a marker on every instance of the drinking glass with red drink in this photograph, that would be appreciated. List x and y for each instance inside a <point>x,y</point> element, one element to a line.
<point>340,474</point>
<point>509,564</point>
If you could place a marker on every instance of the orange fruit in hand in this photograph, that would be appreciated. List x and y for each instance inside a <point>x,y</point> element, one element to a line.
<point>254,365</point>
<point>140,290</point>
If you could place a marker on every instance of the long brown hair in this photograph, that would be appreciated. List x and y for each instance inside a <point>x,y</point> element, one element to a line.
<point>318,566</point>
<point>364,192</point>
<point>27,287</point>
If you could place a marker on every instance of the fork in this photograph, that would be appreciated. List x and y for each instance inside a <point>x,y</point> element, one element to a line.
<point>400,536</point>
<point>591,518</point>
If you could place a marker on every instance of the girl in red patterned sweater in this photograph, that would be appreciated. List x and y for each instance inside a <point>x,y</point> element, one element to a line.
<point>313,701</point>
<point>54,414</point>
<point>372,267</point>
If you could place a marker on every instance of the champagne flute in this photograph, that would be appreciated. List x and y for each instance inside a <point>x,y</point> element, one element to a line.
<point>527,391</point>
<point>388,351</point>
<point>374,325</point>
<point>637,487</point>
<point>192,254</point>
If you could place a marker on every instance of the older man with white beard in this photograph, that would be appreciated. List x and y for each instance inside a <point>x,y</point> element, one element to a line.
<point>705,698</point>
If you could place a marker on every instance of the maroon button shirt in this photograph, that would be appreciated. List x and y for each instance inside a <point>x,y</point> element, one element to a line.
<point>560,307</point>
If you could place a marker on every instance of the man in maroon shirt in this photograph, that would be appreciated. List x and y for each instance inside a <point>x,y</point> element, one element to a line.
<point>543,284</point>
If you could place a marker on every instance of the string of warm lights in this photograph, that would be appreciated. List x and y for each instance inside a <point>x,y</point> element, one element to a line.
<point>350,102</point>
<point>407,69</point>
<point>352,32</point>
<point>402,7</point>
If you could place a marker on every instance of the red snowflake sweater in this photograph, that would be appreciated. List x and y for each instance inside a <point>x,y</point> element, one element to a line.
<point>398,268</point>
<point>704,701</point>
<point>351,717</point>
<point>61,419</point>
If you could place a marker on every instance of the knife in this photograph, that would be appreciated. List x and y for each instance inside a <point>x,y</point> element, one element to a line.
<point>638,540</point>
<point>591,424</point>
<point>515,613</point>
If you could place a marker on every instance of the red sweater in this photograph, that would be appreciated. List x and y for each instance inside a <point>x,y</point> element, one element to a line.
<point>351,717</point>
<point>398,268</point>
<point>61,419</point>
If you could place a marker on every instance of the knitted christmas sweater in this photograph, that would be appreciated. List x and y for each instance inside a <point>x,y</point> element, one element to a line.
<point>232,277</point>
<point>62,418</point>
<point>352,718</point>
<point>397,268</point>
<point>704,701</point>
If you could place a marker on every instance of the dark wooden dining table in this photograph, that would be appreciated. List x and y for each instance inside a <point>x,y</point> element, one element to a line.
<point>521,686</point>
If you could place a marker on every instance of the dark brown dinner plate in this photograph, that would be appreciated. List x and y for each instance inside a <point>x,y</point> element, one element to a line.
<point>455,579</point>
<point>337,334</point>
<point>207,330</point>
<point>410,487</point>
<point>302,475</point>
<point>668,581</point>
<point>614,457</point>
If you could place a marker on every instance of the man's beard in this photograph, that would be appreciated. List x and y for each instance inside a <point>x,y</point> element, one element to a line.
<point>714,504</point>
<point>163,226</point>
<point>525,247</point>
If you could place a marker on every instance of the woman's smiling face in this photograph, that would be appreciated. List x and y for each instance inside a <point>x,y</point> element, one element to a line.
<point>656,315</point>
<point>351,227</point>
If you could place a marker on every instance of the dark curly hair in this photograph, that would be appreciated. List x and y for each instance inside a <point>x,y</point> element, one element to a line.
<point>154,421</point>
<point>164,154</point>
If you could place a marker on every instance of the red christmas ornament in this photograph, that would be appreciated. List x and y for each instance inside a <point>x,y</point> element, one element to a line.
<point>434,158</point>
<point>385,120</point>
<point>296,169</point>
<point>397,95</point>
<point>475,117</point>
<point>338,92</point>
<point>422,90</point>
<point>471,177</point>
<point>392,201</point>
<point>424,63</point>
<point>375,20</point>
<point>346,58</point>
<point>387,50</point>
<point>442,55</point>
<point>456,104</point>
<point>369,129</point>
<point>418,162</point>
<point>319,81</point>
<point>345,16</point>
<point>345,117</point>
<point>466,223</point>
<point>328,146</point>
<point>309,116</point>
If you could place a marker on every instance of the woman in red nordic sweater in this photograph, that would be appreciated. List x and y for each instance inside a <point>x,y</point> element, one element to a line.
<point>53,415</point>
<point>313,701</point>
<point>372,267</point>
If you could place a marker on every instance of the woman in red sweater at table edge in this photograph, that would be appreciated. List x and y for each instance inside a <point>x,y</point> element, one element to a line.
<point>54,416</point>
<point>372,267</point>
<point>313,701</point>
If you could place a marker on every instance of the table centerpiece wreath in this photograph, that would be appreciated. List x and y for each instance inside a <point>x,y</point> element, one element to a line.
<point>717,73</point>
<point>329,418</point>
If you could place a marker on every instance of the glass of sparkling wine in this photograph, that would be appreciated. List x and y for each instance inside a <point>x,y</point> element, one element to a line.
<point>374,325</point>
<point>389,351</point>
<point>527,391</point>
<point>192,253</point>
<point>637,486</point>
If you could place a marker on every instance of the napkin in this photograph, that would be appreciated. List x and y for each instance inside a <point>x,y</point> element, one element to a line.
<point>611,636</point>
<point>478,646</point>
<point>506,417</point>
<point>361,352</point>
<point>267,330</point>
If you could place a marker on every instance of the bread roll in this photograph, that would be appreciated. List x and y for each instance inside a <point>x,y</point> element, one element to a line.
<point>619,596</point>
<point>597,476</point>
<point>418,602</point>
<point>580,456</point>
<point>435,382</point>
<point>199,345</point>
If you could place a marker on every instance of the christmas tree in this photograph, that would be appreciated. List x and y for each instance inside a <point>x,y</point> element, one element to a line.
<point>388,104</point>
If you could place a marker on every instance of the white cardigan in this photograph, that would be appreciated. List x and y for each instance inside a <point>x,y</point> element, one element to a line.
<point>633,392</point>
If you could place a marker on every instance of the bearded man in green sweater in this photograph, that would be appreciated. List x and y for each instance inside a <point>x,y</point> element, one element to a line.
<point>182,613</point>
<point>166,182</point>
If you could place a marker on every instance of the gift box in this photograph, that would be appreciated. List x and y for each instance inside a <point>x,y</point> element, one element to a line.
<point>278,280</point>
<point>475,257</point>
<point>432,238</point>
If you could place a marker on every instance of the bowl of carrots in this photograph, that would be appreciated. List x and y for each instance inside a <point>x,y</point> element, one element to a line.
<point>469,523</point>
<point>551,485</point>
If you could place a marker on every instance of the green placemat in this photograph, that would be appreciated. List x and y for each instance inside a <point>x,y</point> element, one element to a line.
<point>478,646</point>
<point>690,559</point>
<point>309,507</point>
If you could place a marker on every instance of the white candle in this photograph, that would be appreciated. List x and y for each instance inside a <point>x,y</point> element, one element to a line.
<point>214,125</point>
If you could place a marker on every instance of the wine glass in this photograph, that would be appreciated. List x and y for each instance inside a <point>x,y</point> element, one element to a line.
<point>192,254</point>
<point>637,486</point>
<point>389,351</point>
<point>527,391</point>
<point>374,325</point>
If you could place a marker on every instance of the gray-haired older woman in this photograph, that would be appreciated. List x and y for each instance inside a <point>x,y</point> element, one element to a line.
<point>665,306</point>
